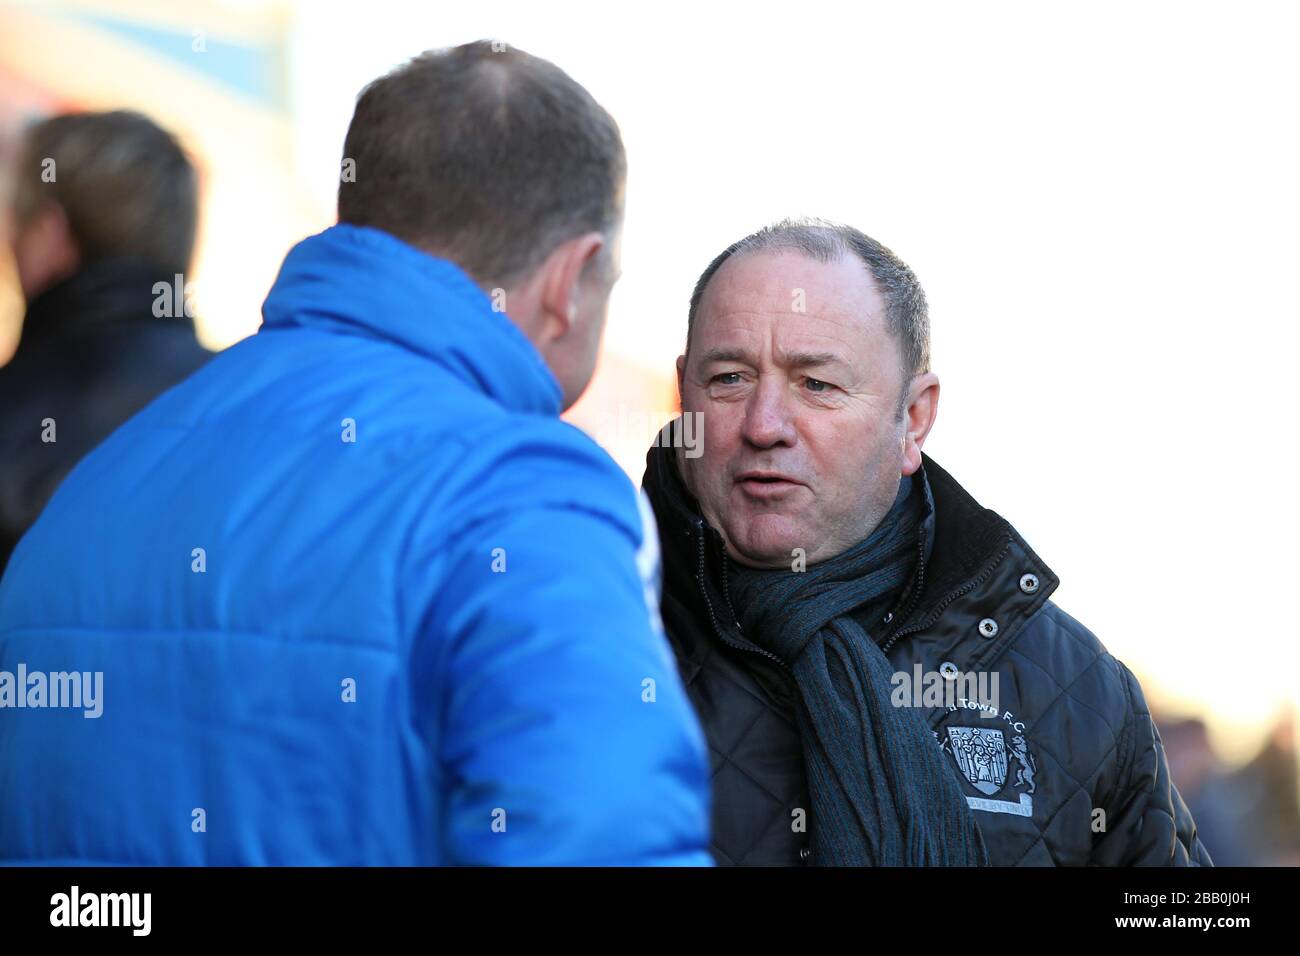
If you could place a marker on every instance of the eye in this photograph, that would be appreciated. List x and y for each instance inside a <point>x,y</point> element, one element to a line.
<point>726,378</point>
<point>817,385</point>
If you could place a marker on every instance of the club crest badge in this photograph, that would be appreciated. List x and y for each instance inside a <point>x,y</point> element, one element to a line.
<point>986,759</point>
<point>981,754</point>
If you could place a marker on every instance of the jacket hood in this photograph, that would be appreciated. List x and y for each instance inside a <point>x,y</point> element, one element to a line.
<point>362,281</point>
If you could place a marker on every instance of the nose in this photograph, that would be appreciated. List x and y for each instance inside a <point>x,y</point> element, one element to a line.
<point>769,419</point>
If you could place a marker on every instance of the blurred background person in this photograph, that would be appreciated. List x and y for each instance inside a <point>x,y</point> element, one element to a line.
<point>1247,816</point>
<point>1271,803</point>
<point>101,226</point>
<point>1212,795</point>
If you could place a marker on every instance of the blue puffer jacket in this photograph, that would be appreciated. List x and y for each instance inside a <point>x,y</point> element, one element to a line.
<point>357,596</point>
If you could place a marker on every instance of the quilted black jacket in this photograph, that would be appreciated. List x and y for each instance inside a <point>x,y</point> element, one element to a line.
<point>1069,772</point>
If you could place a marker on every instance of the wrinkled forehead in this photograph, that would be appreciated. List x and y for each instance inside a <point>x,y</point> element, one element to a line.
<point>791,295</point>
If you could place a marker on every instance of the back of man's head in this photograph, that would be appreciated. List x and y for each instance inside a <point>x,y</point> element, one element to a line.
<point>484,155</point>
<point>119,185</point>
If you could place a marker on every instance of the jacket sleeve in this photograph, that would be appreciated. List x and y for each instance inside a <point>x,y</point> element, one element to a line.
<point>1148,823</point>
<point>566,736</point>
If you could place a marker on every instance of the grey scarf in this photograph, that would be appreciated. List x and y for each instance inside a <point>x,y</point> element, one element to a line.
<point>881,793</point>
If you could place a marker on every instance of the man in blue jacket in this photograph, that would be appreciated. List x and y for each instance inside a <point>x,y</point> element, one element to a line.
<point>353,593</point>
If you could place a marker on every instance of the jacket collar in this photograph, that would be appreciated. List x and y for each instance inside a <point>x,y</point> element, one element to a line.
<point>969,542</point>
<point>356,280</point>
<point>102,292</point>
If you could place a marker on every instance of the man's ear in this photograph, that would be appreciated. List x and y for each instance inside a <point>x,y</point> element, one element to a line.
<point>561,273</point>
<point>681,378</point>
<point>918,418</point>
<point>45,249</point>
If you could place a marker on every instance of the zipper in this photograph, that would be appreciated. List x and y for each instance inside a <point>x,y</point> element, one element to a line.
<point>726,593</point>
<point>916,594</point>
<point>700,576</point>
<point>970,585</point>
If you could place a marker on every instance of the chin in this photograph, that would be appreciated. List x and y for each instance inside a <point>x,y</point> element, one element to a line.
<point>768,542</point>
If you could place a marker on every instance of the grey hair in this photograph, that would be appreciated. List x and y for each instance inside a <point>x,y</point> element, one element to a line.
<point>906,309</point>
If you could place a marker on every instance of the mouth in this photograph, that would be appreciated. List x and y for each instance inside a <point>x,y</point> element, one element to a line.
<point>766,484</point>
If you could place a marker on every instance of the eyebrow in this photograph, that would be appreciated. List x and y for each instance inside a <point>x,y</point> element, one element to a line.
<point>727,355</point>
<point>796,359</point>
<point>810,359</point>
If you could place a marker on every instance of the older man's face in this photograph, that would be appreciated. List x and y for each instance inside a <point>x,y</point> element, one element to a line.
<point>802,446</point>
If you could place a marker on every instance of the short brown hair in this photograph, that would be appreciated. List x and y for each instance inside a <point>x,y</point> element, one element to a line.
<point>125,184</point>
<point>483,155</point>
